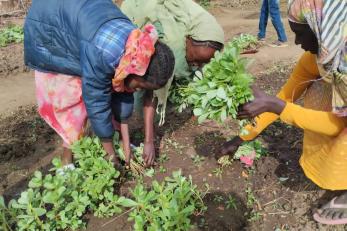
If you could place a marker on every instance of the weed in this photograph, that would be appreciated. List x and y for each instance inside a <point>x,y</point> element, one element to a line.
<point>163,158</point>
<point>198,159</point>
<point>218,172</point>
<point>231,203</point>
<point>218,199</point>
<point>205,3</point>
<point>11,34</point>
<point>162,169</point>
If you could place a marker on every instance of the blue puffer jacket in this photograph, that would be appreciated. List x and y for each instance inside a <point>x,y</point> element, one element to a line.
<point>58,35</point>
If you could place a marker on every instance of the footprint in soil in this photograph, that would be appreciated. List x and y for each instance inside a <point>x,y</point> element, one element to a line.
<point>225,211</point>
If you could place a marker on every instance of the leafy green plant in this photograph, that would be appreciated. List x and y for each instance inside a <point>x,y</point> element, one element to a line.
<point>163,158</point>
<point>218,172</point>
<point>162,169</point>
<point>11,34</point>
<point>231,203</point>
<point>217,198</point>
<point>197,160</point>
<point>205,3</point>
<point>247,148</point>
<point>245,42</point>
<point>167,205</point>
<point>59,201</point>
<point>223,86</point>
<point>225,161</point>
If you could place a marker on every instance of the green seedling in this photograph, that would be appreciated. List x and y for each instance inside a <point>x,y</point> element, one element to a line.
<point>218,172</point>
<point>231,203</point>
<point>218,199</point>
<point>197,160</point>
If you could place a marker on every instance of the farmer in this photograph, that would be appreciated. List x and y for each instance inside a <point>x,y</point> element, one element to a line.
<point>322,72</point>
<point>272,7</point>
<point>191,32</point>
<point>88,59</point>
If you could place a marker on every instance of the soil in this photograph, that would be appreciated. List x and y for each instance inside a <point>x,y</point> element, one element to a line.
<point>284,198</point>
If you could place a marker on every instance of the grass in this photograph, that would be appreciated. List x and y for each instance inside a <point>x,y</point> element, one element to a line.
<point>205,3</point>
<point>11,34</point>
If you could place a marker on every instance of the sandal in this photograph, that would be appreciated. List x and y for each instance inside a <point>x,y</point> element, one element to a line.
<point>317,216</point>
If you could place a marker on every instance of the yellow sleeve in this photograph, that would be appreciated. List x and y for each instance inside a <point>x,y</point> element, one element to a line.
<point>325,123</point>
<point>305,70</point>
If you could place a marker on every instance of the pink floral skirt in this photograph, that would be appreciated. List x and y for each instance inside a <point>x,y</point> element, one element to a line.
<point>60,104</point>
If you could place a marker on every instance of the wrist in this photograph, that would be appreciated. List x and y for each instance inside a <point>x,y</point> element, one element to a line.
<point>276,105</point>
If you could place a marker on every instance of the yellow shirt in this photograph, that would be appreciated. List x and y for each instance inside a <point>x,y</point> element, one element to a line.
<point>324,157</point>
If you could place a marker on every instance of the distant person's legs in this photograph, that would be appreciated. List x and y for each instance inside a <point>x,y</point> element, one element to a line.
<point>275,14</point>
<point>264,15</point>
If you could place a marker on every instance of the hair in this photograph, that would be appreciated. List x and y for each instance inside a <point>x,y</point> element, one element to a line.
<point>212,44</point>
<point>161,66</point>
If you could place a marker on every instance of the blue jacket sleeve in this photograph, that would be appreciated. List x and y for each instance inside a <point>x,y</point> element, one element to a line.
<point>96,90</point>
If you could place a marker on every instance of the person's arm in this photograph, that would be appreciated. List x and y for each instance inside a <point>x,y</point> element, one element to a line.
<point>96,93</point>
<point>321,122</point>
<point>304,72</point>
<point>325,123</point>
<point>149,113</point>
<point>124,130</point>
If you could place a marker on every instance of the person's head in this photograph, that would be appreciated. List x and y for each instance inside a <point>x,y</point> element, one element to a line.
<point>159,71</point>
<point>305,37</point>
<point>200,52</point>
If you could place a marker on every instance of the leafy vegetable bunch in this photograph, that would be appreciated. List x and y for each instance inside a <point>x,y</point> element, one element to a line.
<point>11,34</point>
<point>223,86</point>
<point>167,205</point>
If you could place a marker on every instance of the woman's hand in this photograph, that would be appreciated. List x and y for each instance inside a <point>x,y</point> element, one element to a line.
<point>229,147</point>
<point>148,153</point>
<point>261,103</point>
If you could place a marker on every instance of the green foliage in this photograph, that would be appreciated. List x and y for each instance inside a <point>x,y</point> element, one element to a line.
<point>11,34</point>
<point>222,88</point>
<point>197,160</point>
<point>167,205</point>
<point>247,148</point>
<point>58,202</point>
<point>205,3</point>
<point>231,203</point>
<point>136,163</point>
<point>245,42</point>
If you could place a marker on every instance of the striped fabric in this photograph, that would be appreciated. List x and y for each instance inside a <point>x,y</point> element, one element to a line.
<point>328,20</point>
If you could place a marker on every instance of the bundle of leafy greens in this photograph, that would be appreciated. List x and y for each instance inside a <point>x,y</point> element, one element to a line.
<point>223,86</point>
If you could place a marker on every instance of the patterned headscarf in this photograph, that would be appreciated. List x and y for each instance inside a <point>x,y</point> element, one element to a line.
<point>138,52</point>
<point>328,20</point>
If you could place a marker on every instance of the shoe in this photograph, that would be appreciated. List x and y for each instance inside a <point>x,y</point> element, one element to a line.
<point>262,40</point>
<point>278,44</point>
